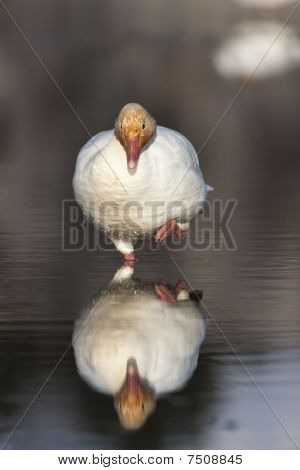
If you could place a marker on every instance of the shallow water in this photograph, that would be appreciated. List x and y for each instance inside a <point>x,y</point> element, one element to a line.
<point>244,393</point>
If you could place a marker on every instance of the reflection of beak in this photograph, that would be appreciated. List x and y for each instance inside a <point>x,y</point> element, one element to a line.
<point>132,150</point>
<point>132,382</point>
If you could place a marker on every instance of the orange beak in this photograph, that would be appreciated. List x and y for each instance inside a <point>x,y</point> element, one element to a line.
<point>132,150</point>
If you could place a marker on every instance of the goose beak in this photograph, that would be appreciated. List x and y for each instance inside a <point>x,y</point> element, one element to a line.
<point>132,150</point>
<point>132,382</point>
<point>135,401</point>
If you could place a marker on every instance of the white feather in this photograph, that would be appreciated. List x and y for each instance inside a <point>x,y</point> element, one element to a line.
<point>167,184</point>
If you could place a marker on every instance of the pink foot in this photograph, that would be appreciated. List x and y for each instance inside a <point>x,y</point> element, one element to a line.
<point>129,259</point>
<point>181,234</point>
<point>164,231</point>
<point>163,293</point>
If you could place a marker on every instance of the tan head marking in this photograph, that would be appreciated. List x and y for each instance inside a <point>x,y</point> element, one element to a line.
<point>135,401</point>
<point>134,127</point>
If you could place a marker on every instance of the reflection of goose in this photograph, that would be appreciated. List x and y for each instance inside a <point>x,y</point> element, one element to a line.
<point>137,340</point>
<point>242,51</point>
<point>162,185</point>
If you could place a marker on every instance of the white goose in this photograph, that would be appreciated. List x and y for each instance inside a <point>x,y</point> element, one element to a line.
<point>138,340</point>
<point>264,4</point>
<point>159,189</point>
<point>243,52</point>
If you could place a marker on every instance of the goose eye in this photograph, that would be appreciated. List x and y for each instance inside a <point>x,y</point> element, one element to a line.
<point>143,125</point>
<point>121,127</point>
<point>143,406</point>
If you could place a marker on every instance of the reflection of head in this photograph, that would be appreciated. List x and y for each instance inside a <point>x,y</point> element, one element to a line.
<point>135,401</point>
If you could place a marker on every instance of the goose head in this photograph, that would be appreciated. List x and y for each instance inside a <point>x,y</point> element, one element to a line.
<point>134,127</point>
<point>135,401</point>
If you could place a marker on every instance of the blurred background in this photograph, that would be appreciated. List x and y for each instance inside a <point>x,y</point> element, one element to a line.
<point>185,62</point>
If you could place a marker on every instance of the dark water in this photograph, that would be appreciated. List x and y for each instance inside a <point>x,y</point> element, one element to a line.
<point>252,293</point>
